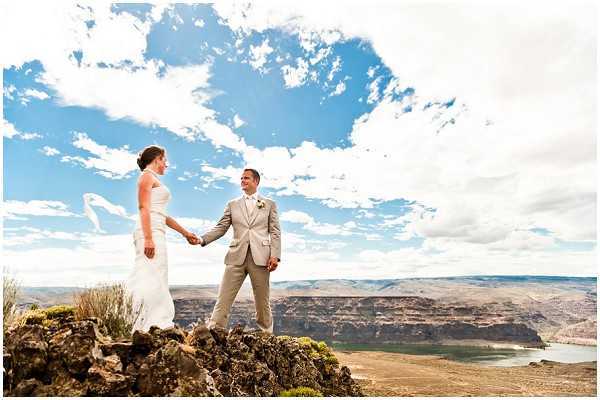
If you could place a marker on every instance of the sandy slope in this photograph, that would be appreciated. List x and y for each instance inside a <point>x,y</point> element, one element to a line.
<point>393,374</point>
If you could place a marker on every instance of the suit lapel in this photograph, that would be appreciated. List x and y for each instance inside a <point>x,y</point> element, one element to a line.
<point>242,205</point>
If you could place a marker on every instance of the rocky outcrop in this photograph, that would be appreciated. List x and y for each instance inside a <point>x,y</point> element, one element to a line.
<point>68,357</point>
<point>376,319</point>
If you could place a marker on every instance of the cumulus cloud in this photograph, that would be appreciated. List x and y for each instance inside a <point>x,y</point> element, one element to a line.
<point>485,146</point>
<point>29,235</point>
<point>320,228</point>
<point>339,89</point>
<point>16,209</point>
<point>10,132</point>
<point>258,55</point>
<point>295,76</point>
<point>108,162</point>
<point>147,92</point>
<point>49,151</point>
<point>237,121</point>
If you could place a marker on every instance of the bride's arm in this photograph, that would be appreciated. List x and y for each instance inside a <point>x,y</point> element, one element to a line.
<point>171,223</point>
<point>144,190</point>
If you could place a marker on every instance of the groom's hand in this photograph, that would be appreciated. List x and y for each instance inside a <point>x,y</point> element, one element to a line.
<point>272,264</point>
<point>192,238</point>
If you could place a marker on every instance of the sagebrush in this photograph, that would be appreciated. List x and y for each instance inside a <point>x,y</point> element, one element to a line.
<point>11,288</point>
<point>111,304</point>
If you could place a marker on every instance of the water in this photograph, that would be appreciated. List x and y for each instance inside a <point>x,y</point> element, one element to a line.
<point>566,353</point>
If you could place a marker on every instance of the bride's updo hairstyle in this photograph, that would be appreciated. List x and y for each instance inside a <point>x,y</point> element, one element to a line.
<point>148,155</point>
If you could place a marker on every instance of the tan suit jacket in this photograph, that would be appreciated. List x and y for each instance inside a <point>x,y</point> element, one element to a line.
<point>260,230</point>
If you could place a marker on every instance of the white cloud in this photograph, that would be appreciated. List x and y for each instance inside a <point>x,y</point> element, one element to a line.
<point>321,54</point>
<point>320,228</point>
<point>295,77</point>
<point>10,132</point>
<point>108,162</point>
<point>8,91</point>
<point>339,89</point>
<point>373,236</point>
<point>12,209</point>
<point>197,225</point>
<point>335,67</point>
<point>237,121</point>
<point>36,94</point>
<point>49,151</point>
<point>95,200</point>
<point>258,55</point>
<point>371,71</point>
<point>513,152</point>
<point>147,92</point>
<point>199,23</point>
<point>483,180</point>
<point>366,214</point>
<point>29,235</point>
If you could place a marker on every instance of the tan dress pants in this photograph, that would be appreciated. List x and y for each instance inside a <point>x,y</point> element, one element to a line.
<point>233,277</point>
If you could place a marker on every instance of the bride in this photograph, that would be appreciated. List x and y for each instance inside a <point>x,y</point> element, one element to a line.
<point>148,282</point>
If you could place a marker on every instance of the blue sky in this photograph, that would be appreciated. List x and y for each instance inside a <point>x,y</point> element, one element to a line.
<point>374,177</point>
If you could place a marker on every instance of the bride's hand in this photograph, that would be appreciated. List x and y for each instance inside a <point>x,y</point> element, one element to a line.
<point>191,238</point>
<point>149,248</point>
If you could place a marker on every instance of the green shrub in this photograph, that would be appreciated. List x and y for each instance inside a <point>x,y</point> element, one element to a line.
<point>301,391</point>
<point>60,311</point>
<point>31,317</point>
<point>38,316</point>
<point>34,307</point>
<point>318,350</point>
<point>111,305</point>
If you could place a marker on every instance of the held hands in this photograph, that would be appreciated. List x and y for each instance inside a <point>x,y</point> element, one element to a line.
<point>272,264</point>
<point>191,238</point>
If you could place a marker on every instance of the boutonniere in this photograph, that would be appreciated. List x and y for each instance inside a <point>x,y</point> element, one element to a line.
<point>260,204</point>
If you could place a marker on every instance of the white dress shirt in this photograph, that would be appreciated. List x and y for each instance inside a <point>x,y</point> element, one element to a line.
<point>250,201</point>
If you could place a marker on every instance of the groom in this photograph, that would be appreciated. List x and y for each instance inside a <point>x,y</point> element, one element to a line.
<point>255,250</point>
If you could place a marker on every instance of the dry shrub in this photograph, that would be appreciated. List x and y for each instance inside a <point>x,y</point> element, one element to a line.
<point>111,305</point>
<point>10,288</point>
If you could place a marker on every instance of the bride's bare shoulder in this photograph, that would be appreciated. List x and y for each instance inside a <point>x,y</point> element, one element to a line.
<point>146,180</point>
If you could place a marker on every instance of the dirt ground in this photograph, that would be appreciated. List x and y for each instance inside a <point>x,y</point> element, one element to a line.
<point>393,374</point>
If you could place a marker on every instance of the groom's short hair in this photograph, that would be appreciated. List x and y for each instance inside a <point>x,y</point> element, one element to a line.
<point>255,174</point>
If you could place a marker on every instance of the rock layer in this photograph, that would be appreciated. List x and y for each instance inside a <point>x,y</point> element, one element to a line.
<point>72,358</point>
<point>375,319</point>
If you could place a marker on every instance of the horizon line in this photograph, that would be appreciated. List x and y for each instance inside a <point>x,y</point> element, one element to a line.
<point>370,280</point>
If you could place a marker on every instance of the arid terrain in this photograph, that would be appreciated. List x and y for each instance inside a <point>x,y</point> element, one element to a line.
<point>393,374</point>
<point>460,310</point>
<point>559,309</point>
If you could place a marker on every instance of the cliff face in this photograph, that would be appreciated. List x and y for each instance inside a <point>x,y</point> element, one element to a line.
<point>559,309</point>
<point>393,319</point>
<point>70,357</point>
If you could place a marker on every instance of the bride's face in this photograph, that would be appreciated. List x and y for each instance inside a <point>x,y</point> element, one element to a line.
<point>161,164</point>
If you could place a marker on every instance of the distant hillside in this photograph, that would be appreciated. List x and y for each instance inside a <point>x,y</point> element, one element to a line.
<point>558,308</point>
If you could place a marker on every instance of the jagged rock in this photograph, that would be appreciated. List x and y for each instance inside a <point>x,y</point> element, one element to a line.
<point>28,351</point>
<point>174,369</point>
<point>102,381</point>
<point>62,384</point>
<point>77,345</point>
<point>72,358</point>
<point>142,341</point>
<point>26,387</point>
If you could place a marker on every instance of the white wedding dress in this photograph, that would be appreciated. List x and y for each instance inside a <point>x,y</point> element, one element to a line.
<point>148,282</point>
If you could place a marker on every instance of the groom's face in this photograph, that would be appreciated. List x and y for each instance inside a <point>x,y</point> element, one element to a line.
<point>248,183</point>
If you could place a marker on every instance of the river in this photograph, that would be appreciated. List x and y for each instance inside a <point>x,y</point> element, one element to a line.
<point>566,353</point>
